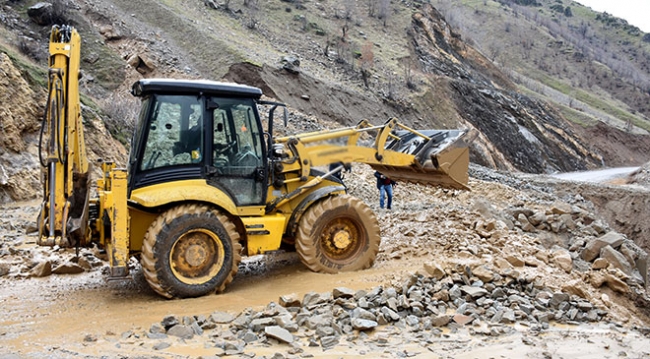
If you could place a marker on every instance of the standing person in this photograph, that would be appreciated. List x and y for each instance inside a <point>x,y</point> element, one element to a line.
<point>385,186</point>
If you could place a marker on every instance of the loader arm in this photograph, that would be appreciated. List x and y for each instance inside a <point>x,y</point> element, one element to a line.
<point>430,157</point>
<point>63,217</point>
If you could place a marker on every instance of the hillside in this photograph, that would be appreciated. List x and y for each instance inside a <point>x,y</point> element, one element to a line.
<point>592,65</point>
<point>345,61</point>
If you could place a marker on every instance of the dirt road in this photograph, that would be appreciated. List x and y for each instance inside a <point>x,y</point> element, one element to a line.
<point>598,176</point>
<point>39,314</point>
<point>82,315</point>
<point>52,317</point>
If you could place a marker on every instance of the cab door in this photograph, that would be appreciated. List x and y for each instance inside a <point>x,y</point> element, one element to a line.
<point>238,158</point>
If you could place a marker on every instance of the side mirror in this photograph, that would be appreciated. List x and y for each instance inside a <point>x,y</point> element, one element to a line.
<point>212,104</point>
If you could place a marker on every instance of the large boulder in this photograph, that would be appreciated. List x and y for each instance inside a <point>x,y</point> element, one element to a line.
<point>41,13</point>
<point>592,250</point>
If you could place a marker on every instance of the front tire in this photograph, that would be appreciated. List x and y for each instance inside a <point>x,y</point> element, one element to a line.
<point>338,234</point>
<point>190,251</point>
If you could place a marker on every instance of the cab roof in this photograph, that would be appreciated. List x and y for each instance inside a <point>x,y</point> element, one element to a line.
<point>182,86</point>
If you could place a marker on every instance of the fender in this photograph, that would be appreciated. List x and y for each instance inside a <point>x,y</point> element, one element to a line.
<point>183,191</point>
<point>292,225</point>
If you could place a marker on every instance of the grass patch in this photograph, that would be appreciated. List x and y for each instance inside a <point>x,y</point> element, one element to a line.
<point>88,101</point>
<point>592,100</point>
<point>575,116</point>
<point>108,69</point>
<point>611,109</point>
<point>212,34</point>
<point>35,75</point>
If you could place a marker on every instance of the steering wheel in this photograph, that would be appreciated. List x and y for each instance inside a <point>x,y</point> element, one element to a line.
<point>222,149</point>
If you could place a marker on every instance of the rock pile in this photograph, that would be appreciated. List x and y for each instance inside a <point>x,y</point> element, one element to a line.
<point>502,253</point>
<point>20,259</point>
<point>573,236</point>
<point>426,305</point>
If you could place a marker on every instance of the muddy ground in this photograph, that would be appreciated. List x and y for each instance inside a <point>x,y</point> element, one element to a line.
<point>54,304</point>
<point>82,315</point>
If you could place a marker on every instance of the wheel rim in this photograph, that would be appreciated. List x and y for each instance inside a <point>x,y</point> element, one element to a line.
<point>341,239</point>
<point>197,256</point>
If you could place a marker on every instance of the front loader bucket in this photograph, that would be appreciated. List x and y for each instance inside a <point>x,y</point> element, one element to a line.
<point>441,157</point>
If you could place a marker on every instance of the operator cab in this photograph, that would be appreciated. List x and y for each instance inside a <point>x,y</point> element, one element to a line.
<point>189,129</point>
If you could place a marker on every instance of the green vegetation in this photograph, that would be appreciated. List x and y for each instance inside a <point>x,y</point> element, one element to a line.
<point>35,75</point>
<point>107,67</point>
<point>576,116</point>
<point>611,109</point>
<point>89,102</point>
<point>596,102</point>
<point>591,57</point>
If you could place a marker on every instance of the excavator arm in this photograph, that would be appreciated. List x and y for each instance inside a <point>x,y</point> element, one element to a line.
<point>65,176</point>
<point>430,157</point>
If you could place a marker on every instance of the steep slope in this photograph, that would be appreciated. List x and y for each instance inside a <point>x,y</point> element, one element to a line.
<point>593,67</point>
<point>528,133</point>
<point>349,61</point>
<point>19,145</point>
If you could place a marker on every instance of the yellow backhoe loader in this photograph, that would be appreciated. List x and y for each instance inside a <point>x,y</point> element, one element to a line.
<point>206,183</point>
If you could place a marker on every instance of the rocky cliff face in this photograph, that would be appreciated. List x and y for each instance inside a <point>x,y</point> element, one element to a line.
<point>20,123</point>
<point>518,132</point>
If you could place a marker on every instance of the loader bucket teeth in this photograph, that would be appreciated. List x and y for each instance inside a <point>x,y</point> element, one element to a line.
<point>442,159</point>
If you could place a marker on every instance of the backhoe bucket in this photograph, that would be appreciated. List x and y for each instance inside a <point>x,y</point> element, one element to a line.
<point>441,157</point>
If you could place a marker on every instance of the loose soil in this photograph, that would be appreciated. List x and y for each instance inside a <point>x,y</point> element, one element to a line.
<point>67,316</point>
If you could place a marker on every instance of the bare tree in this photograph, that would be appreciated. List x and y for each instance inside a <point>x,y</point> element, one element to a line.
<point>122,111</point>
<point>328,38</point>
<point>344,31</point>
<point>407,65</point>
<point>371,8</point>
<point>583,29</point>
<point>349,8</point>
<point>342,46</point>
<point>494,50</point>
<point>303,23</point>
<point>366,62</point>
<point>384,10</point>
<point>392,87</point>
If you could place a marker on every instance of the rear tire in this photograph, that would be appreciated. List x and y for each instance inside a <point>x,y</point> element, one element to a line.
<point>338,234</point>
<point>190,251</point>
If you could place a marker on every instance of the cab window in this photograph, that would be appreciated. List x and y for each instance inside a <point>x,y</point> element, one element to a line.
<point>174,133</point>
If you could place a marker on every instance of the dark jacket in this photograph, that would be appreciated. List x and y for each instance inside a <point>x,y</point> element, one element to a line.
<point>383,180</point>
